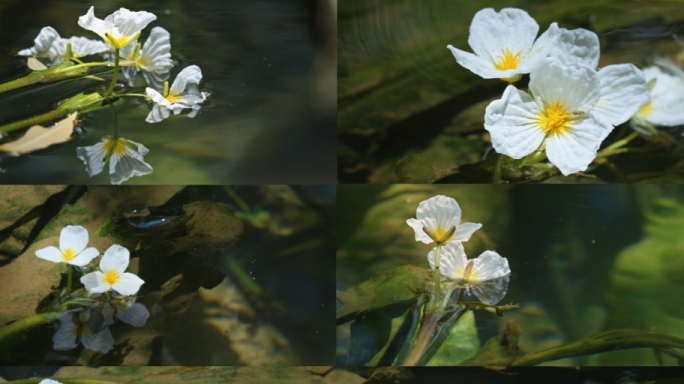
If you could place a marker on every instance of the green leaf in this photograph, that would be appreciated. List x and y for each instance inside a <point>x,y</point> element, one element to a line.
<point>390,287</point>
<point>461,344</point>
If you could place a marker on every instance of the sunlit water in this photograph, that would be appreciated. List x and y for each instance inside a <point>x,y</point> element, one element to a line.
<point>262,61</point>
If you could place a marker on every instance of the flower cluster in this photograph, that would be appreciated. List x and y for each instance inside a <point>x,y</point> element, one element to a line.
<point>120,32</point>
<point>438,220</point>
<point>570,108</point>
<point>110,291</point>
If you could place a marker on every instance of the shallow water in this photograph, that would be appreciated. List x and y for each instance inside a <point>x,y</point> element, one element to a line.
<point>264,62</point>
<point>583,259</point>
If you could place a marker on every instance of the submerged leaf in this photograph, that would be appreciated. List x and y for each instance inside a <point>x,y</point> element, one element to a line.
<point>38,137</point>
<point>393,286</point>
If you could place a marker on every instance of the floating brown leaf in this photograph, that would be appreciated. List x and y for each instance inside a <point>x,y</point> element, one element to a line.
<point>35,64</point>
<point>38,137</point>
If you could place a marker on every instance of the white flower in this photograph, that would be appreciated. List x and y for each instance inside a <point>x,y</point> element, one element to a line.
<point>184,93</point>
<point>504,44</point>
<point>112,274</point>
<point>42,43</point>
<point>154,59</point>
<point>74,329</point>
<point>72,248</point>
<point>623,86</point>
<point>557,114</point>
<point>439,220</point>
<point>118,29</point>
<point>126,310</point>
<point>125,158</point>
<point>80,46</point>
<point>485,276</point>
<point>49,381</point>
<point>666,104</point>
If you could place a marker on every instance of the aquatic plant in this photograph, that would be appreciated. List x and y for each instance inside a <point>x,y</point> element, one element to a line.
<point>85,317</point>
<point>123,54</point>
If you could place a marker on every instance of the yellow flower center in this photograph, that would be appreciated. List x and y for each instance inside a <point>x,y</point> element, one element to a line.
<point>507,60</point>
<point>554,120</point>
<point>172,98</point>
<point>646,110</point>
<point>69,254</point>
<point>468,272</point>
<point>114,147</point>
<point>111,277</point>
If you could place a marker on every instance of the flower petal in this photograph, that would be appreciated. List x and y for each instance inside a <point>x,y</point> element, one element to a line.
<point>136,315</point>
<point>491,292</point>
<point>439,214</point>
<point>577,46</point>
<point>574,150</point>
<point>492,32</point>
<point>623,93</point>
<point>93,157</point>
<point>540,50</point>
<point>81,46</point>
<point>156,52</point>
<point>418,229</point>
<point>452,260</point>
<point>489,265</point>
<point>128,23</point>
<point>92,23</point>
<point>94,282</point>
<point>667,99</point>
<point>51,254</point>
<point>465,230</point>
<point>131,163</point>
<point>64,339</point>
<point>128,284</point>
<point>73,237</point>
<point>479,66</point>
<point>128,73</point>
<point>116,258</point>
<point>84,258</point>
<point>42,43</point>
<point>157,114</point>
<point>100,342</point>
<point>512,123</point>
<point>189,75</point>
<point>576,87</point>
<point>48,381</point>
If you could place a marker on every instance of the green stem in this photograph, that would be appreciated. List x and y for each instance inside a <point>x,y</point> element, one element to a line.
<point>116,73</point>
<point>71,272</point>
<point>19,327</point>
<point>132,95</point>
<point>437,274</point>
<point>35,120</point>
<point>611,149</point>
<point>116,122</point>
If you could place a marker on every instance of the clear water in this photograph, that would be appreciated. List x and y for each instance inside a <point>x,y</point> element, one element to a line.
<point>264,63</point>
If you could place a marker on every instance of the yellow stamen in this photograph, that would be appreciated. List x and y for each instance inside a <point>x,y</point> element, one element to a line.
<point>467,272</point>
<point>507,60</point>
<point>114,147</point>
<point>111,277</point>
<point>646,110</point>
<point>172,98</point>
<point>554,120</point>
<point>69,254</point>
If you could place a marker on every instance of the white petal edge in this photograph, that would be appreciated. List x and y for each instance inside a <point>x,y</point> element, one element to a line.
<point>116,258</point>
<point>576,87</point>
<point>452,260</point>
<point>92,23</point>
<point>51,254</point>
<point>577,46</point>
<point>100,342</point>
<point>540,50</point>
<point>85,257</point>
<point>623,93</point>
<point>93,157</point>
<point>465,231</point>
<point>490,265</point>
<point>132,163</point>
<point>136,315</point>
<point>189,75</point>
<point>418,229</point>
<point>74,237</point>
<point>42,43</point>
<point>93,282</point>
<point>573,151</point>
<point>64,339</point>
<point>128,284</point>
<point>512,123</point>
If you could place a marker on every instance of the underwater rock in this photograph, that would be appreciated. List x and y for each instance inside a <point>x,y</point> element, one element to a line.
<point>211,229</point>
<point>647,284</point>
<point>384,241</point>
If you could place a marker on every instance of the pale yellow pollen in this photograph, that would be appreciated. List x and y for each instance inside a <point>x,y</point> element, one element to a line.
<point>441,235</point>
<point>116,147</point>
<point>646,110</point>
<point>507,60</point>
<point>554,120</point>
<point>69,254</point>
<point>111,277</point>
<point>172,98</point>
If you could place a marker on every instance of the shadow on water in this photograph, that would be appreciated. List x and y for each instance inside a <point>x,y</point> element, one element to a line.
<point>267,64</point>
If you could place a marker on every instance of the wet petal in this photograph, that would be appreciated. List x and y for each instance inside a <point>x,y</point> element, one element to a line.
<point>489,265</point>
<point>157,114</point>
<point>465,230</point>
<point>478,65</point>
<point>93,157</point>
<point>189,75</point>
<point>84,258</point>
<point>92,23</point>
<point>439,214</point>
<point>492,32</point>
<point>48,381</point>
<point>577,46</point>
<point>82,46</point>
<point>73,237</point>
<point>100,342</point>
<point>667,98</point>
<point>540,50</point>
<point>156,52</point>
<point>116,258</point>
<point>128,284</point>
<point>136,315</point>
<point>42,43</point>
<point>512,123</point>
<point>128,73</point>
<point>51,254</point>
<point>576,87</point>
<point>491,292</point>
<point>94,282</point>
<point>623,93</point>
<point>128,23</point>
<point>574,150</point>
<point>64,339</point>
<point>418,229</point>
<point>131,163</point>
<point>452,260</point>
